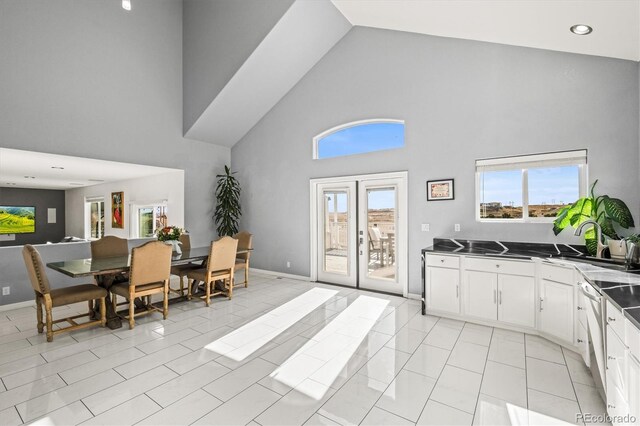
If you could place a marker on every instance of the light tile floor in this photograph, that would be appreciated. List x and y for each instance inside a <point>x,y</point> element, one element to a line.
<point>351,357</point>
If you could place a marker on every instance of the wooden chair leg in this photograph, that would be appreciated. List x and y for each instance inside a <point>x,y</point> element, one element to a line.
<point>132,306</point>
<point>208,292</point>
<point>49,318</point>
<point>114,302</point>
<point>165,302</point>
<point>182,278</point>
<point>230,291</point>
<point>189,286</point>
<point>90,303</point>
<point>246,275</point>
<point>39,313</point>
<point>103,311</point>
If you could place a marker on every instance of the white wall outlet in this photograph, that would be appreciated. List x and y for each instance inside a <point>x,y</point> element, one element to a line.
<point>456,227</point>
<point>288,264</point>
<point>425,227</point>
<point>6,291</point>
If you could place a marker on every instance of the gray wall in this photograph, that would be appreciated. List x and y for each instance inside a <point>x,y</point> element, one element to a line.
<point>462,100</point>
<point>42,200</point>
<point>218,37</point>
<point>86,78</point>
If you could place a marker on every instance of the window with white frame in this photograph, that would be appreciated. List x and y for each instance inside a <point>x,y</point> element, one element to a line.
<point>359,137</point>
<point>94,211</point>
<point>529,188</point>
<point>147,219</point>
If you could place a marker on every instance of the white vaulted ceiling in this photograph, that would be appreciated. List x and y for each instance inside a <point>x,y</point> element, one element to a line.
<point>542,24</point>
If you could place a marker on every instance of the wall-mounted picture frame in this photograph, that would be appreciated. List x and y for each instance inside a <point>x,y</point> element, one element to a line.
<point>440,190</point>
<point>117,210</point>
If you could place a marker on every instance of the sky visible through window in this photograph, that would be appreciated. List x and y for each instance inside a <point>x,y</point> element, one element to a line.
<point>361,138</point>
<point>551,185</point>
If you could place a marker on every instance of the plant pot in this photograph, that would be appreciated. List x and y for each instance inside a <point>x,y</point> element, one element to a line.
<point>175,246</point>
<point>618,249</point>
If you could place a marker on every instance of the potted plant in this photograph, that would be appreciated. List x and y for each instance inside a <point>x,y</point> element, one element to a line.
<point>606,211</point>
<point>228,211</point>
<point>171,235</point>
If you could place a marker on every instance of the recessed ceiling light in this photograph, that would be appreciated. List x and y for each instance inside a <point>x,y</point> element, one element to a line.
<point>581,29</point>
<point>57,167</point>
<point>76,184</point>
<point>11,183</point>
<point>96,180</point>
<point>29,177</point>
<point>126,4</point>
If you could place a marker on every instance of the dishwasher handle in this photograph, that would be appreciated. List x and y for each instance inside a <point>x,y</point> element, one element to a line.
<point>585,292</point>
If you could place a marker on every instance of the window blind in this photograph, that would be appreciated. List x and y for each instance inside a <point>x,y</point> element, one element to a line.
<point>554,159</point>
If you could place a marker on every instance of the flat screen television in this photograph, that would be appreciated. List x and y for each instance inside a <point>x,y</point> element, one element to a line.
<point>17,220</point>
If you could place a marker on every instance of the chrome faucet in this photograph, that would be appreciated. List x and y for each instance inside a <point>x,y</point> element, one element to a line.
<point>596,225</point>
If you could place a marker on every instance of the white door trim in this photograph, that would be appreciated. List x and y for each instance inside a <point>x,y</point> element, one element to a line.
<point>403,206</point>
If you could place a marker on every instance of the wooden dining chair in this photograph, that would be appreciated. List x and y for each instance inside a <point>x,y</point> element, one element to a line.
<point>245,242</point>
<point>181,270</point>
<point>220,266</point>
<point>149,275</point>
<point>109,246</point>
<point>51,298</point>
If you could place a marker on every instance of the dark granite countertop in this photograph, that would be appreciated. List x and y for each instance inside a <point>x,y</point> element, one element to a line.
<point>620,287</point>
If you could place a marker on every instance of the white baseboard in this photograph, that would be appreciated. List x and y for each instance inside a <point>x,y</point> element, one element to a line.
<point>18,305</point>
<point>280,274</point>
<point>414,296</point>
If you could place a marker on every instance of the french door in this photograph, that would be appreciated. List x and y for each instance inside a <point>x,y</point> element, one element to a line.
<point>359,231</point>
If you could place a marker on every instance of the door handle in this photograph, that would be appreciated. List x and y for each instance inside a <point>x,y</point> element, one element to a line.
<point>541,300</point>
<point>361,240</point>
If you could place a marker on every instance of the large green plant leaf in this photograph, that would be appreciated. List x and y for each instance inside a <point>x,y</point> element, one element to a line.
<point>580,211</point>
<point>590,241</point>
<point>607,228</point>
<point>618,211</point>
<point>562,220</point>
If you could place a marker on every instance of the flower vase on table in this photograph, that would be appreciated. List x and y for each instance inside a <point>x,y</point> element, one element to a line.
<point>170,235</point>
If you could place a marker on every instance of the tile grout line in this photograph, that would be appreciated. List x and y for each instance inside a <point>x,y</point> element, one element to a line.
<point>396,375</point>
<point>572,385</point>
<point>475,408</point>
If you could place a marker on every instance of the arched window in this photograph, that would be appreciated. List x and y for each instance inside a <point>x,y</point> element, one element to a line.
<point>359,137</point>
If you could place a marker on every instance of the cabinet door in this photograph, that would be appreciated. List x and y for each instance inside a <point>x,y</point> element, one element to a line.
<point>443,289</point>
<point>481,295</point>
<point>633,387</point>
<point>556,310</point>
<point>582,343</point>
<point>516,300</point>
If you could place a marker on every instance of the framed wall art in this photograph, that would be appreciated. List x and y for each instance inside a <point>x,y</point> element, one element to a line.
<point>439,190</point>
<point>117,210</point>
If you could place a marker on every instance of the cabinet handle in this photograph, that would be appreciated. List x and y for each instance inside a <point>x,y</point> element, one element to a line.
<point>500,297</point>
<point>495,296</point>
<point>442,260</point>
<point>610,319</point>
<point>612,358</point>
<point>541,300</point>
<point>497,266</point>
<point>611,406</point>
<point>580,308</point>
<point>580,340</point>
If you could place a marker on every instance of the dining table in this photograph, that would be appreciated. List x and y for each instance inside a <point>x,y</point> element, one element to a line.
<point>105,268</point>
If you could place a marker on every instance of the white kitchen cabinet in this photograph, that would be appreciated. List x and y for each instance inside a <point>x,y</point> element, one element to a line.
<point>557,309</point>
<point>481,295</point>
<point>633,387</point>
<point>516,300</point>
<point>617,398</point>
<point>443,289</point>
